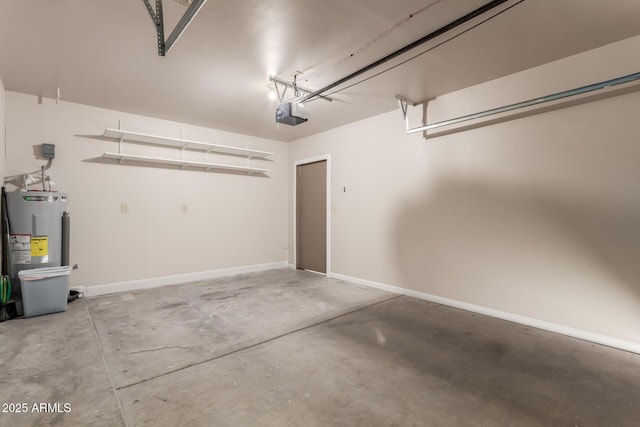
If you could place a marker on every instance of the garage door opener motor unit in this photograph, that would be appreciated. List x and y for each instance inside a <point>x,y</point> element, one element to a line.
<point>292,113</point>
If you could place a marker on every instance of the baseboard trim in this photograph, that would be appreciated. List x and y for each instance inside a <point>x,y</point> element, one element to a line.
<point>606,340</point>
<point>155,282</point>
<point>291,266</point>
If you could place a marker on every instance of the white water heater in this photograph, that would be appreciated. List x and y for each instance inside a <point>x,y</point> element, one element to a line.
<point>35,229</point>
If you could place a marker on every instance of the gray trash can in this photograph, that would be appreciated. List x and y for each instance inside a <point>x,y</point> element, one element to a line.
<point>44,290</point>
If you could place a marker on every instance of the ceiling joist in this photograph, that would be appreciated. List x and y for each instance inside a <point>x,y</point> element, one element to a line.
<point>158,21</point>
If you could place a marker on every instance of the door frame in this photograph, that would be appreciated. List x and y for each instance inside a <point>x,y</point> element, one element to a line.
<point>323,157</point>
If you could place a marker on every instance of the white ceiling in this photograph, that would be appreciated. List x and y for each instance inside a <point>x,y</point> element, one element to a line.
<point>104,53</point>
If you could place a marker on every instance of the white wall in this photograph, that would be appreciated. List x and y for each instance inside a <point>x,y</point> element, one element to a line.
<point>232,220</point>
<point>3,165</point>
<point>537,216</point>
<point>3,162</point>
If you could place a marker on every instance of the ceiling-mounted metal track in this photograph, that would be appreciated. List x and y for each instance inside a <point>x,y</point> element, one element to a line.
<point>288,85</point>
<point>158,21</point>
<point>440,31</point>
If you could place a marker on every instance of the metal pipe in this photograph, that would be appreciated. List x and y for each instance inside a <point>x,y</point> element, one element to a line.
<point>442,30</point>
<point>66,231</point>
<point>531,102</point>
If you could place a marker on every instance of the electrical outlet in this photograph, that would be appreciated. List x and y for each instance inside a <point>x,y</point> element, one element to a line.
<point>184,208</point>
<point>124,208</point>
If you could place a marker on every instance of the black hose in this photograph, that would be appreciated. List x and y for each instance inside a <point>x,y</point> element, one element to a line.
<point>6,256</point>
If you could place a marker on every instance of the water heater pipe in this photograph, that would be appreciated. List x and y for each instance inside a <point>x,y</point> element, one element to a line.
<point>66,232</point>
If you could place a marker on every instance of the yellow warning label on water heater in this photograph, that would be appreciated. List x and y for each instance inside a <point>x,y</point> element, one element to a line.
<point>39,245</point>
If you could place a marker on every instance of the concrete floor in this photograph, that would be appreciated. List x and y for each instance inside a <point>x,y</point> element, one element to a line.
<point>285,347</point>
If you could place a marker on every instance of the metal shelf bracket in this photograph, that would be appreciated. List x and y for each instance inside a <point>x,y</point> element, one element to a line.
<point>158,21</point>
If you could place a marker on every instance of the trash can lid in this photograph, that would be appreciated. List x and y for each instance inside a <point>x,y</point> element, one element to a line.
<point>44,273</point>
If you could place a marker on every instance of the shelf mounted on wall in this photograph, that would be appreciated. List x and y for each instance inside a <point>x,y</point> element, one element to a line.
<point>183,144</point>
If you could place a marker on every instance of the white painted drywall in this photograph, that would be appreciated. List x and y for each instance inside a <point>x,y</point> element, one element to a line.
<point>232,220</point>
<point>537,216</point>
<point>3,162</point>
<point>3,165</point>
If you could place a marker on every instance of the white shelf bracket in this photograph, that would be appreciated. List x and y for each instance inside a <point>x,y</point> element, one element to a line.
<point>403,107</point>
<point>404,104</point>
